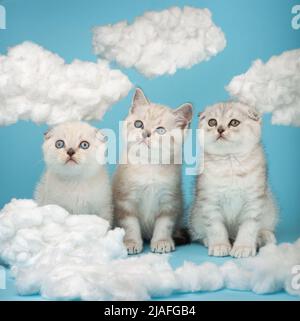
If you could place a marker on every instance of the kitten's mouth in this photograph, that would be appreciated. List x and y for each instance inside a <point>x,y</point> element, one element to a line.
<point>147,143</point>
<point>71,160</point>
<point>221,137</point>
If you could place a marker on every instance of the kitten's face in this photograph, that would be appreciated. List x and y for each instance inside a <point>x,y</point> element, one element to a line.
<point>230,128</point>
<point>73,149</point>
<point>154,129</point>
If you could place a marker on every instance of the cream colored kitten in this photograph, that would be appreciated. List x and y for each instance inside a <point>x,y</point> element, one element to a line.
<point>233,201</point>
<point>75,177</point>
<point>147,189</point>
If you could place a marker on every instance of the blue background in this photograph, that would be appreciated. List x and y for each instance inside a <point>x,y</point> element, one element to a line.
<point>253,28</point>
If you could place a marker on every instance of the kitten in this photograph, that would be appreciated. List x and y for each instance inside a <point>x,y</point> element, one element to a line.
<point>147,193</point>
<point>233,200</point>
<point>75,176</point>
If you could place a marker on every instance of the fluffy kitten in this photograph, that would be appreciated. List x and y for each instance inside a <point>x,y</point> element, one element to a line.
<point>75,177</point>
<point>233,201</point>
<point>147,189</point>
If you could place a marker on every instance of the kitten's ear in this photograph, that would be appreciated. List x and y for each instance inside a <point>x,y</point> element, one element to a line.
<point>139,98</point>
<point>254,114</point>
<point>184,115</point>
<point>100,136</point>
<point>48,134</point>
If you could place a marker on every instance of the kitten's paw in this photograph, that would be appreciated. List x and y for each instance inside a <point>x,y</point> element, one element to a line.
<point>162,246</point>
<point>221,249</point>
<point>133,246</point>
<point>243,251</point>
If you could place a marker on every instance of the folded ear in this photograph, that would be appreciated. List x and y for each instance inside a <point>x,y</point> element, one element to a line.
<point>48,134</point>
<point>184,115</point>
<point>138,99</point>
<point>254,114</point>
<point>201,115</point>
<point>100,136</point>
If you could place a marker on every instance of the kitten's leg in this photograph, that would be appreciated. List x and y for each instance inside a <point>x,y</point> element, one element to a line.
<point>162,241</point>
<point>265,237</point>
<point>206,224</point>
<point>133,237</point>
<point>217,239</point>
<point>269,219</point>
<point>246,240</point>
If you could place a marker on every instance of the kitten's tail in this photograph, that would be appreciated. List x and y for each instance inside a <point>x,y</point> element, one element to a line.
<point>181,236</point>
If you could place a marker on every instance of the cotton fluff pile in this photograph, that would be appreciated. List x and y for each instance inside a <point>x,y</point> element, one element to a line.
<point>37,85</point>
<point>273,87</point>
<point>63,256</point>
<point>158,43</point>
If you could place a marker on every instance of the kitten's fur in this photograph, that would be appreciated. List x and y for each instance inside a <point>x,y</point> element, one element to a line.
<point>147,197</point>
<point>80,186</point>
<point>233,201</point>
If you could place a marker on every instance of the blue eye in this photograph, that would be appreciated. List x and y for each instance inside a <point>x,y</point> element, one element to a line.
<point>84,145</point>
<point>59,143</point>
<point>138,124</point>
<point>161,130</point>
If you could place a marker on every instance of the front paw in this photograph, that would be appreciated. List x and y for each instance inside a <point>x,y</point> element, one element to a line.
<point>219,249</point>
<point>162,246</point>
<point>243,251</point>
<point>133,246</point>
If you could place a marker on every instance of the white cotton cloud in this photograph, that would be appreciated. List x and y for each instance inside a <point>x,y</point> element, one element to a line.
<point>272,87</point>
<point>159,43</point>
<point>37,85</point>
<point>63,256</point>
<point>270,271</point>
<point>67,256</point>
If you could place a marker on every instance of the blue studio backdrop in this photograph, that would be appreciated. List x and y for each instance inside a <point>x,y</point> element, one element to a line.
<point>253,29</point>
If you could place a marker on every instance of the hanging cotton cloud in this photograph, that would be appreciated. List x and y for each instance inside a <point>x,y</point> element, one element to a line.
<point>273,87</point>
<point>37,85</point>
<point>63,256</point>
<point>158,43</point>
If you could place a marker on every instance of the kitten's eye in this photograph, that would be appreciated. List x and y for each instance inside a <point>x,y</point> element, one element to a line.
<point>234,122</point>
<point>160,130</point>
<point>138,124</point>
<point>59,143</point>
<point>84,145</point>
<point>212,122</point>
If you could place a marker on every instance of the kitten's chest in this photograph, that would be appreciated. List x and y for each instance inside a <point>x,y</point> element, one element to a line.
<point>152,191</point>
<point>149,197</point>
<point>77,197</point>
<point>231,176</point>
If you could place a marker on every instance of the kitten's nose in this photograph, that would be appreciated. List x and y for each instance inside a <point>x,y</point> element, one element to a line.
<point>221,130</point>
<point>146,133</point>
<point>70,152</point>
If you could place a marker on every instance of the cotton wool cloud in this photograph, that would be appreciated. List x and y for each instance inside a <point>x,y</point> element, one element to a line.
<point>272,87</point>
<point>63,256</point>
<point>159,43</point>
<point>38,85</point>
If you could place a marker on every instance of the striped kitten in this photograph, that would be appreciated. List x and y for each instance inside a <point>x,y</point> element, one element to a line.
<point>147,185</point>
<point>233,211</point>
